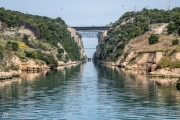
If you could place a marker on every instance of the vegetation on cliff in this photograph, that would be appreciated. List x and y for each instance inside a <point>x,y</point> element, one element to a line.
<point>6,53</point>
<point>45,29</point>
<point>134,24</point>
<point>35,38</point>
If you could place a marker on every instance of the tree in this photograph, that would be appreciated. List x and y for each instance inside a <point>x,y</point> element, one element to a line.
<point>8,46</point>
<point>15,46</point>
<point>49,30</point>
<point>153,39</point>
<point>60,50</point>
<point>12,46</point>
<point>175,42</point>
<point>179,31</point>
<point>171,27</point>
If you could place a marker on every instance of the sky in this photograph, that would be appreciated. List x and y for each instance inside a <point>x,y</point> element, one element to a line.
<point>85,12</point>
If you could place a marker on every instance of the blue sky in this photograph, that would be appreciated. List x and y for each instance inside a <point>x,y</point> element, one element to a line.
<point>84,12</point>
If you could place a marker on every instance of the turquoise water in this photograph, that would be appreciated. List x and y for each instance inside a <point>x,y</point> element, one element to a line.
<point>89,92</point>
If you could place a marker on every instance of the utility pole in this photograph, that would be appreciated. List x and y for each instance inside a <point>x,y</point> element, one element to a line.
<point>122,9</point>
<point>135,9</point>
<point>169,4</point>
<point>135,14</point>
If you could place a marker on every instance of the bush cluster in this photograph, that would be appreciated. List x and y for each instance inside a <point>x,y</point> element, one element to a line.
<point>12,46</point>
<point>46,29</point>
<point>37,54</point>
<point>153,39</point>
<point>133,24</point>
<point>175,42</point>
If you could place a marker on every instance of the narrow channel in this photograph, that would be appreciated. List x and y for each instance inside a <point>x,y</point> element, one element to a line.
<point>89,91</point>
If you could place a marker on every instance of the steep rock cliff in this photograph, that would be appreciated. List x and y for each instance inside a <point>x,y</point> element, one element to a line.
<point>78,40</point>
<point>160,58</point>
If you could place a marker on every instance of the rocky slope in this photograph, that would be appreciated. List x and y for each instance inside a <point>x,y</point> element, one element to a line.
<point>139,40</point>
<point>139,54</point>
<point>14,62</point>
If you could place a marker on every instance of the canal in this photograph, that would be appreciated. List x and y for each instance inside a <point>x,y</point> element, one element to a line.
<point>89,92</point>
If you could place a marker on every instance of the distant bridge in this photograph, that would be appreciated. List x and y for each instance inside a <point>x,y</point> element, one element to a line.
<point>89,48</point>
<point>91,28</point>
<point>90,31</point>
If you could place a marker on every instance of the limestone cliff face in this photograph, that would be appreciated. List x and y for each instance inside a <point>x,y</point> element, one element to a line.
<point>100,51</point>
<point>78,40</point>
<point>161,58</point>
<point>142,60</point>
<point>65,53</point>
<point>17,66</point>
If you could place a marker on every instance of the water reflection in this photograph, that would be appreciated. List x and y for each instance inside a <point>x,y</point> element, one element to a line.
<point>138,94</point>
<point>30,76</point>
<point>33,88</point>
<point>91,92</point>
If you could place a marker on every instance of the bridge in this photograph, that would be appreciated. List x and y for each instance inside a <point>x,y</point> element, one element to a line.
<point>91,28</point>
<point>90,31</point>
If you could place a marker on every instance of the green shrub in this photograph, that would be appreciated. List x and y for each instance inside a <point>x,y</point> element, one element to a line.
<point>15,46</point>
<point>175,64</point>
<point>12,46</point>
<point>60,50</point>
<point>14,67</point>
<point>1,52</point>
<point>153,39</point>
<point>37,54</point>
<point>66,58</point>
<point>179,31</point>
<point>171,27</point>
<point>113,57</point>
<point>109,49</point>
<point>59,56</point>
<point>120,52</point>
<point>106,38</point>
<point>8,46</point>
<point>175,42</point>
<point>34,55</point>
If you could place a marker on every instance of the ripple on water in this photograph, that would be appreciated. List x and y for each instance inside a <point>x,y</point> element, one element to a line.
<point>90,93</point>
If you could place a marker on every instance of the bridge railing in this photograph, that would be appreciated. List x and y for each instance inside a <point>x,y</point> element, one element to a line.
<point>91,28</point>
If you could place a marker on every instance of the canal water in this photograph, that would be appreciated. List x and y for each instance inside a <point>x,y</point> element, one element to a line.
<point>89,92</point>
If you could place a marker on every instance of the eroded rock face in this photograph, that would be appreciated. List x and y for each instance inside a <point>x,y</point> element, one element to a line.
<point>16,73</point>
<point>78,40</point>
<point>61,63</point>
<point>100,52</point>
<point>142,60</point>
<point>16,61</point>
<point>0,25</point>
<point>174,72</point>
<point>175,56</point>
<point>5,75</point>
<point>31,65</point>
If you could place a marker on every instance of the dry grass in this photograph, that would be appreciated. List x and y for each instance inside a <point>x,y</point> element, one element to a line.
<point>141,43</point>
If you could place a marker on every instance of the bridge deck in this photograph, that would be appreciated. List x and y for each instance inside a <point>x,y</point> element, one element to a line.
<point>91,28</point>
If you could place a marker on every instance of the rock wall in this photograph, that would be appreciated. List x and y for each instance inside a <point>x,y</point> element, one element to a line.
<point>99,50</point>
<point>65,53</point>
<point>78,40</point>
<point>29,65</point>
<point>142,60</point>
